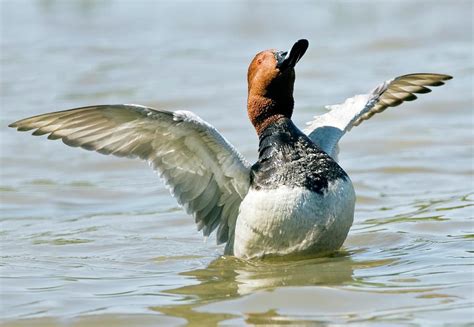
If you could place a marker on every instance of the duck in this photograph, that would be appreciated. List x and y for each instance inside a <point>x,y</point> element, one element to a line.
<point>295,200</point>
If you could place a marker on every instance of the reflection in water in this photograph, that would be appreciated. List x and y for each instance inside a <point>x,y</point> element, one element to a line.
<point>228,278</point>
<point>345,286</point>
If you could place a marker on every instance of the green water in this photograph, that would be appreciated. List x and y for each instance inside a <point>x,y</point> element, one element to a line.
<point>89,240</point>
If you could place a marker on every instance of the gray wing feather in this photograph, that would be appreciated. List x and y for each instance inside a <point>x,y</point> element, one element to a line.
<point>205,173</point>
<point>327,129</point>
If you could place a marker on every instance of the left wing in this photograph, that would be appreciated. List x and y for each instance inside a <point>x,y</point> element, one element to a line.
<point>326,130</point>
<point>204,172</point>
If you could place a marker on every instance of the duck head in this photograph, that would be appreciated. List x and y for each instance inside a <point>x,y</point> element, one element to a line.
<point>271,77</point>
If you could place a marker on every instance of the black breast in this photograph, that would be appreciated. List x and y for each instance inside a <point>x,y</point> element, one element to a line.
<point>288,157</point>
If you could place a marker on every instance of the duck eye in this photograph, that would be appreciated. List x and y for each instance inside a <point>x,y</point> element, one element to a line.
<point>280,56</point>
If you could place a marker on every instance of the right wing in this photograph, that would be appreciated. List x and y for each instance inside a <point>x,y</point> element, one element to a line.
<point>326,130</point>
<point>202,169</point>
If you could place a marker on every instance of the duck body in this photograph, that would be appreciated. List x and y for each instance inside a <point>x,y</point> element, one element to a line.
<point>299,201</point>
<point>295,200</point>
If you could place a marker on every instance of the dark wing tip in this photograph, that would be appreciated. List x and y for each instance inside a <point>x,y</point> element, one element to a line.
<point>19,127</point>
<point>443,77</point>
<point>410,97</point>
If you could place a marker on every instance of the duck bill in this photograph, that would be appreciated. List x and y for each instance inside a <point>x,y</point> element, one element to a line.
<point>289,59</point>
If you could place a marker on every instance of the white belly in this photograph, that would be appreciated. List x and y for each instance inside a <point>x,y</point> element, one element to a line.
<point>289,220</point>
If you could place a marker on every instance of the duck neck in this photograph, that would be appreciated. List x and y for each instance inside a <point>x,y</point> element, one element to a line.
<point>263,111</point>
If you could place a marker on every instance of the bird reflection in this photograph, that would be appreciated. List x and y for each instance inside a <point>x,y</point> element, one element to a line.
<point>229,278</point>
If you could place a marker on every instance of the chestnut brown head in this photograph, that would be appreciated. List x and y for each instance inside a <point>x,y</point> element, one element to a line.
<point>271,77</point>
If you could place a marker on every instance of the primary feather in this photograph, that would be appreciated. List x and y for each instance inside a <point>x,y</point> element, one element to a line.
<point>326,130</point>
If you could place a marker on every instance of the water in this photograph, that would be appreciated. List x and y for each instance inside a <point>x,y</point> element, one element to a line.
<point>94,240</point>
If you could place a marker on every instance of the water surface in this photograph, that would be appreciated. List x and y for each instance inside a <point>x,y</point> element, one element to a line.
<point>94,240</point>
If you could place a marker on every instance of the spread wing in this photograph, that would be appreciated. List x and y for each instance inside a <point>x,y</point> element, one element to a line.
<point>202,169</point>
<point>326,130</point>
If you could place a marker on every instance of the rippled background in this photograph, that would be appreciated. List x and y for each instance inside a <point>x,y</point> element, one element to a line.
<point>93,240</point>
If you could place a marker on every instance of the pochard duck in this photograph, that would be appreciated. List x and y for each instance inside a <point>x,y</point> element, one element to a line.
<point>294,200</point>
